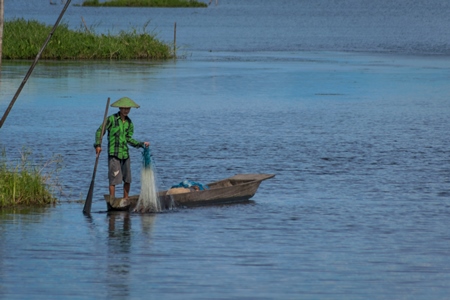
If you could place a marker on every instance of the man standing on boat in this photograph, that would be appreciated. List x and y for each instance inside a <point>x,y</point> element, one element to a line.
<point>120,135</point>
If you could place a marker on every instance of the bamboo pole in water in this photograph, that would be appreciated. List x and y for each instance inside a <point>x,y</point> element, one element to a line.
<point>11,104</point>
<point>175,40</point>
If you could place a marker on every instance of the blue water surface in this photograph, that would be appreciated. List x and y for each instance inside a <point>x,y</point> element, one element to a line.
<point>345,101</point>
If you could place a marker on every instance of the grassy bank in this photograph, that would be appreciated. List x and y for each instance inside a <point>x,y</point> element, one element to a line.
<point>25,183</point>
<point>145,3</point>
<point>23,39</point>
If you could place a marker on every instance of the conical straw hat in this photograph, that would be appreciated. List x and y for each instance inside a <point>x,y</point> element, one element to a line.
<point>125,102</point>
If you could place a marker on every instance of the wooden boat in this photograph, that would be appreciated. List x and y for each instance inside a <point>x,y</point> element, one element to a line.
<point>236,189</point>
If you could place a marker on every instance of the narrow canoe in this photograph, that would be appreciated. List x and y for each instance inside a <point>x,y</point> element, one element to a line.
<point>236,189</point>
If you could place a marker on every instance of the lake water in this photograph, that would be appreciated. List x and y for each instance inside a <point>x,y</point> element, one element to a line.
<point>347,102</point>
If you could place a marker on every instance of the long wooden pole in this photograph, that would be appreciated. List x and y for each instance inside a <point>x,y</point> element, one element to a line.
<point>11,104</point>
<point>175,40</point>
<point>88,202</point>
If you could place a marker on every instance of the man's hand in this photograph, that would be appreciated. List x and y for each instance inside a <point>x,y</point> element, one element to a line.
<point>98,150</point>
<point>146,144</point>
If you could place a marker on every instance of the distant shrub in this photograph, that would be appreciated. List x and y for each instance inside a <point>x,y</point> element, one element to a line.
<point>23,39</point>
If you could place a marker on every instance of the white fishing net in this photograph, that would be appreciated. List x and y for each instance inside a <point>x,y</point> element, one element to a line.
<point>148,198</point>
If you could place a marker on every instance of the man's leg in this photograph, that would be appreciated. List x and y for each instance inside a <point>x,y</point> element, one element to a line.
<point>126,189</point>
<point>114,175</point>
<point>126,177</point>
<point>112,192</point>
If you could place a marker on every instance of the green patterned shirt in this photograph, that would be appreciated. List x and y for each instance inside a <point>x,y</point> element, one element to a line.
<point>120,135</point>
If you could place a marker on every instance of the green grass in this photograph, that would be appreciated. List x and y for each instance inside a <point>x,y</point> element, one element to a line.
<point>23,39</point>
<point>146,3</point>
<point>26,183</point>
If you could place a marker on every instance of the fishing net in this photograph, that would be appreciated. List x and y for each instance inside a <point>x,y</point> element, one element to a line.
<point>148,198</point>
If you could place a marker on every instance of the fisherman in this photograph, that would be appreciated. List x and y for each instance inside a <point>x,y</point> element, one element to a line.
<point>120,135</point>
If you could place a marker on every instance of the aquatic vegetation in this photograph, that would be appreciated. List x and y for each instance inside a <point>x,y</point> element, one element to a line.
<point>28,183</point>
<point>22,39</point>
<point>146,3</point>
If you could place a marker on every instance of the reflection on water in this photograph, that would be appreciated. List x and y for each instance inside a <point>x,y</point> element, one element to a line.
<point>121,257</point>
<point>119,245</point>
<point>10,214</point>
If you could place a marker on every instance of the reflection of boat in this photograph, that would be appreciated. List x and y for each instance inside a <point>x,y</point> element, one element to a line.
<point>239,188</point>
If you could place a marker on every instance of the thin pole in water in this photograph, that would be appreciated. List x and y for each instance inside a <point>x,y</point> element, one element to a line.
<point>88,202</point>
<point>175,40</point>
<point>5,115</point>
